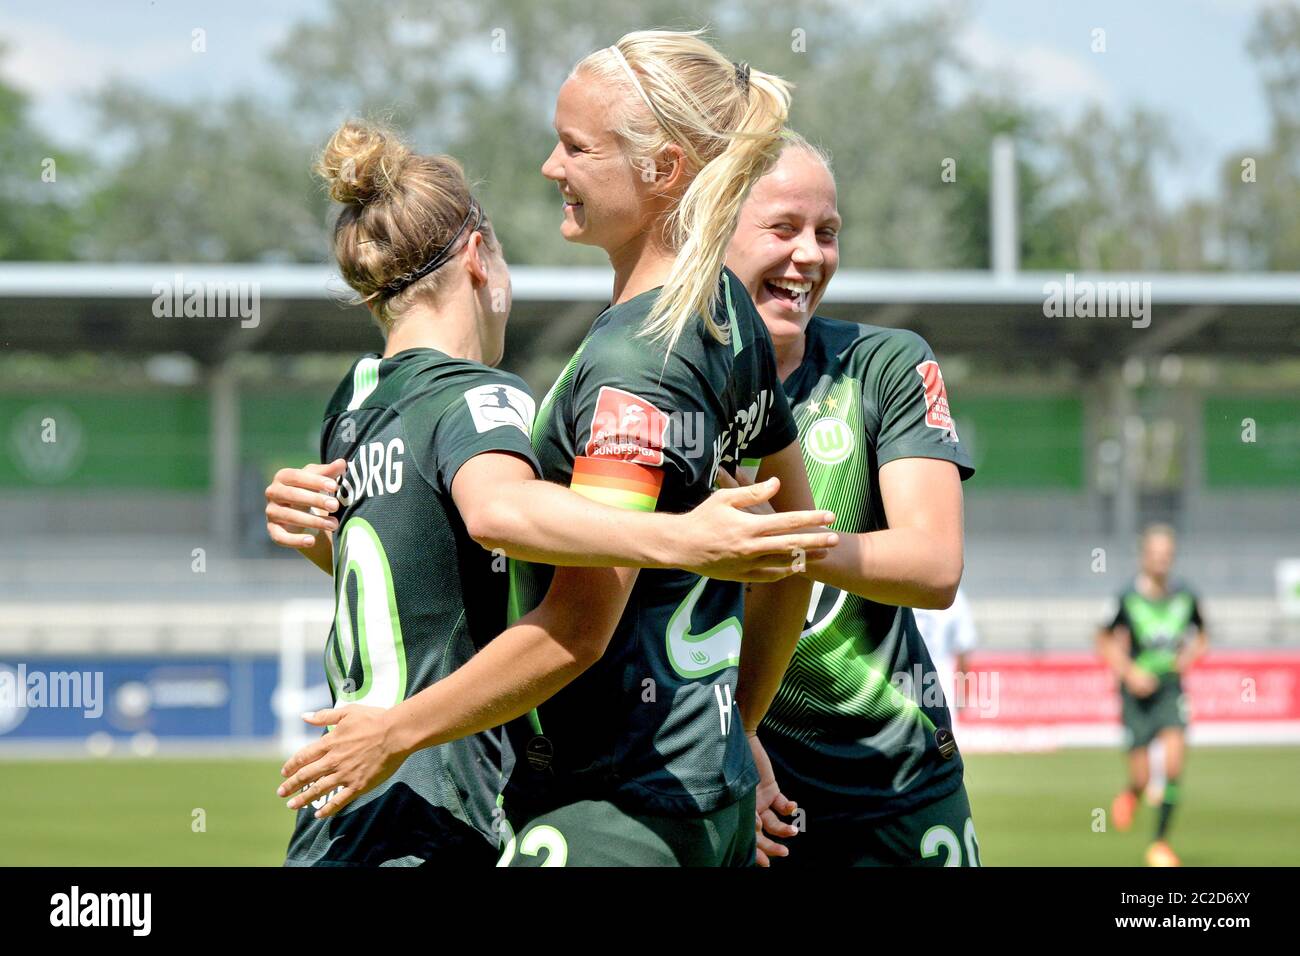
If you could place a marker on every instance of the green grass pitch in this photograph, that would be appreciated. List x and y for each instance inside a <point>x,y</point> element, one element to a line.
<point>1239,808</point>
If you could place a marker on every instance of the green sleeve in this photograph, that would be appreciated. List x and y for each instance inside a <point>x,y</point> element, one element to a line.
<point>629,404</point>
<point>1121,615</point>
<point>468,413</point>
<point>905,383</point>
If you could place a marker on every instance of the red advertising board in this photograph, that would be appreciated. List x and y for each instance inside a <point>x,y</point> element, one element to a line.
<point>1041,701</point>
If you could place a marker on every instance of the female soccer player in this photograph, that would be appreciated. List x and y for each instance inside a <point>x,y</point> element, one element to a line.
<point>437,456</point>
<point>642,760</point>
<point>859,732</point>
<point>1155,637</point>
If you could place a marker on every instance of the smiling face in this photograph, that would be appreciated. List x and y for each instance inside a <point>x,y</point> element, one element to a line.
<point>786,245</point>
<point>603,195</point>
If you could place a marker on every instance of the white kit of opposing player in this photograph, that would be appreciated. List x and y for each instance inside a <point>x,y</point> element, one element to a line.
<point>950,636</point>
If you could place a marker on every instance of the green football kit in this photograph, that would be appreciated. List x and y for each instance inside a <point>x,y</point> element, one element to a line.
<point>650,734</point>
<point>415,597</point>
<point>859,733</point>
<point>1158,629</point>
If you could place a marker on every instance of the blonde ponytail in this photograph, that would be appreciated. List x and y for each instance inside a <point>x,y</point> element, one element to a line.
<point>728,121</point>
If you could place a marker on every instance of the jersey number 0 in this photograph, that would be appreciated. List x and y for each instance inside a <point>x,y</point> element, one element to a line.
<point>377,635</point>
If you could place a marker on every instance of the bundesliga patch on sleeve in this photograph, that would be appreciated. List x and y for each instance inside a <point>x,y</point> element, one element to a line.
<point>627,427</point>
<point>494,405</point>
<point>937,414</point>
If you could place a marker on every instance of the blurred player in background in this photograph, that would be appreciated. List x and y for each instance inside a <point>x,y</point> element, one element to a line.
<point>950,635</point>
<point>1155,637</point>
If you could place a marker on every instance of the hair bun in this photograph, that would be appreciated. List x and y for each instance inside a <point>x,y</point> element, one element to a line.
<point>362,162</point>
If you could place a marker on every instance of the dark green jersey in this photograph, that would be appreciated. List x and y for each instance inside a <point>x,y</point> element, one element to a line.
<point>859,727</point>
<point>652,725</point>
<point>415,596</point>
<point>1158,627</point>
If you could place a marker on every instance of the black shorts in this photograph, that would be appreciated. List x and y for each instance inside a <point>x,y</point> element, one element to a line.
<point>1145,717</point>
<point>599,833</point>
<point>940,833</point>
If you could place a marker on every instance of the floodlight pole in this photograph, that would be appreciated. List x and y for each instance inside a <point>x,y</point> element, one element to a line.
<point>1125,408</point>
<point>1004,233</point>
<point>223,476</point>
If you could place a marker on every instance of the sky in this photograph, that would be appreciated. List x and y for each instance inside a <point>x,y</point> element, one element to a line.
<point>1186,59</point>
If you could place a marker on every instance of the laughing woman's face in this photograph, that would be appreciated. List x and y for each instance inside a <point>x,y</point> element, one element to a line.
<point>786,245</point>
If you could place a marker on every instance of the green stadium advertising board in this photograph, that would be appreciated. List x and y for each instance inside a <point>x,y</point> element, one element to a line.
<point>1252,442</point>
<point>1029,441</point>
<point>280,430</point>
<point>75,441</point>
<point>157,440</point>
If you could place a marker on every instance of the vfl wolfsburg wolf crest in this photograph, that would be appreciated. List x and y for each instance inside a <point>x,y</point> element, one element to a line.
<point>829,440</point>
<point>48,443</point>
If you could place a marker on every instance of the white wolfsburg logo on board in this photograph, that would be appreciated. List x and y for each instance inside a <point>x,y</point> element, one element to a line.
<point>829,441</point>
<point>495,405</point>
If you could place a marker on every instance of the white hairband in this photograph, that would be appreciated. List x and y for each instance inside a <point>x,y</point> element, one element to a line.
<point>636,84</point>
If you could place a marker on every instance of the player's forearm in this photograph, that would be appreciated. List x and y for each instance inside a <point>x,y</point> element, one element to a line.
<point>774,616</point>
<point>547,523</point>
<point>899,566</point>
<point>519,669</point>
<point>321,553</point>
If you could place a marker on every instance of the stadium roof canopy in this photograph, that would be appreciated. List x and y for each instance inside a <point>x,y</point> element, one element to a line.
<point>70,307</point>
